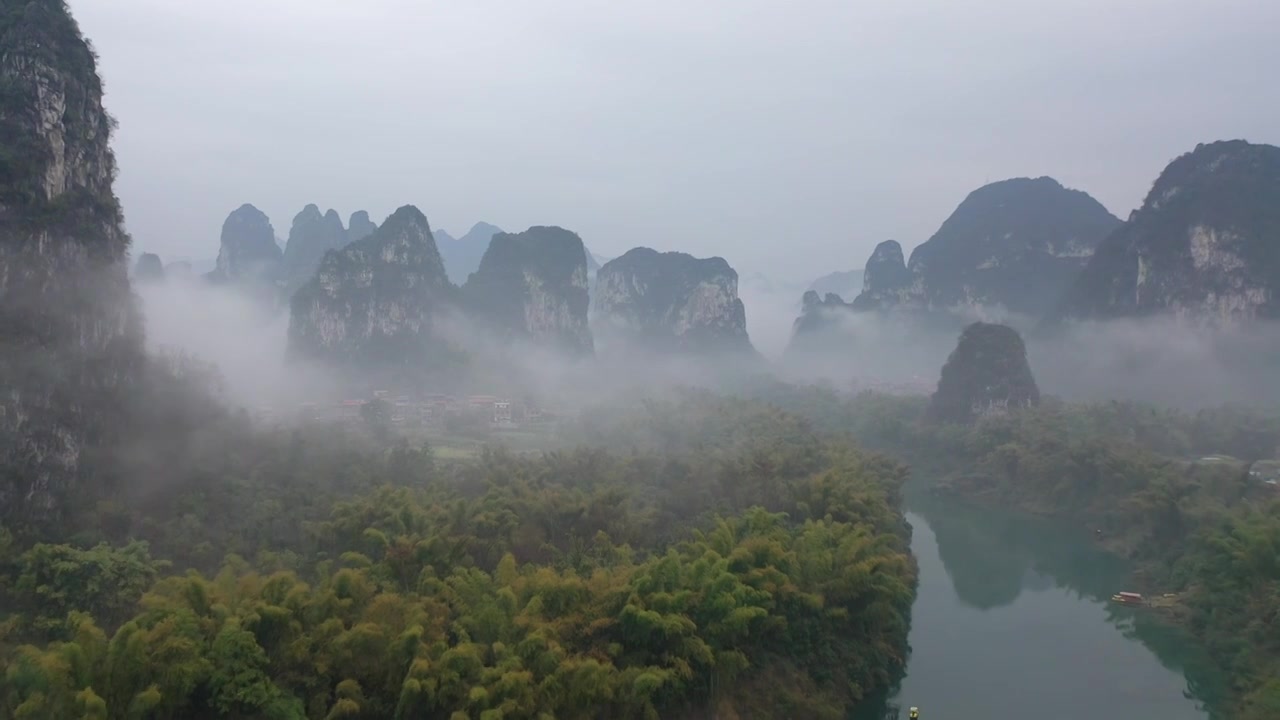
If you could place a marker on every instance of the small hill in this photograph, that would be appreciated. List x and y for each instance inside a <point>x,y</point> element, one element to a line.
<point>987,373</point>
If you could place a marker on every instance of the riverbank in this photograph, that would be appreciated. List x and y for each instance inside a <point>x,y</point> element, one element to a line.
<point>1202,531</point>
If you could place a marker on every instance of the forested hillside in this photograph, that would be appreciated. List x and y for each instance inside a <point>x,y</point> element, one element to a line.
<point>752,569</point>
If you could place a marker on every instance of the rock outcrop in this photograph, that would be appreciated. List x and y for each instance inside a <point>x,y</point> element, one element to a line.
<point>148,268</point>
<point>886,282</point>
<point>248,253</point>
<point>533,286</point>
<point>462,255</point>
<point>670,301</point>
<point>1205,246</point>
<point>70,336</point>
<point>818,315</point>
<point>986,374</point>
<point>360,226</point>
<point>1016,244</point>
<point>310,237</point>
<point>374,305</point>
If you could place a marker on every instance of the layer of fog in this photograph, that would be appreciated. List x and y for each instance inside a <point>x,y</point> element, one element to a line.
<point>1155,360</point>
<point>246,339</point>
<point>243,337</point>
<point>771,308</point>
<point>1159,360</point>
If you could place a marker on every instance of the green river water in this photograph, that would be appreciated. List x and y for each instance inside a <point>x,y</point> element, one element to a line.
<point>1012,620</point>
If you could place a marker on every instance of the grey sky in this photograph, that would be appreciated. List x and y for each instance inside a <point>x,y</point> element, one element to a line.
<point>787,137</point>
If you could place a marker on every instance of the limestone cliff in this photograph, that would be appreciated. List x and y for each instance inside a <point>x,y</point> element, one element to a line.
<point>1016,244</point>
<point>374,304</point>
<point>670,301</point>
<point>70,336</point>
<point>311,236</point>
<point>885,281</point>
<point>248,253</point>
<point>533,285</point>
<point>987,373</point>
<point>148,268</point>
<point>360,226</point>
<point>1205,246</point>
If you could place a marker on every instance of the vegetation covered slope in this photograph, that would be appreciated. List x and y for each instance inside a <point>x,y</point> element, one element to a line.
<point>733,562</point>
<point>986,373</point>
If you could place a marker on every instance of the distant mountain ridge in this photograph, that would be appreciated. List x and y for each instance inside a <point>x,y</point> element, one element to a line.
<point>462,255</point>
<point>1017,244</point>
<point>845,283</point>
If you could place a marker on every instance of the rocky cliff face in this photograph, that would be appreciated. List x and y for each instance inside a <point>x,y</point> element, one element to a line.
<point>987,374</point>
<point>1205,246</point>
<point>311,236</point>
<point>70,337</point>
<point>533,285</point>
<point>148,268</point>
<point>360,226</point>
<point>1017,244</point>
<point>375,303</point>
<point>462,255</point>
<point>885,281</point>
<point>671,301</point>
<point>248,253</point>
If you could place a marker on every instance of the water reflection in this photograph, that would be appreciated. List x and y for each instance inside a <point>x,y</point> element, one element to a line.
<point>1012,613</point>
<point>992,556</point>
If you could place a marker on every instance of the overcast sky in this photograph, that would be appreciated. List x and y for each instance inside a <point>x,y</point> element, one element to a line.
<point>788,137</point>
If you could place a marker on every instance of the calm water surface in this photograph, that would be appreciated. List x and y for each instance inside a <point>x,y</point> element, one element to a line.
<point>1012,621</point>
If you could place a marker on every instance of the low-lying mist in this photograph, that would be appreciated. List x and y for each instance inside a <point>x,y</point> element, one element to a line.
<point>246,340</point>
<point>242,336</point>
<point>1155,360</point>
<point>1158,360</point>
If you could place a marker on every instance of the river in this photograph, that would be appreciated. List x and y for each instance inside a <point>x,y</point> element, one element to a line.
<point>1012,621</point>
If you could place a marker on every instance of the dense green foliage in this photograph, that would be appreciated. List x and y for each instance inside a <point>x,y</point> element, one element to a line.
<point>750,567</point>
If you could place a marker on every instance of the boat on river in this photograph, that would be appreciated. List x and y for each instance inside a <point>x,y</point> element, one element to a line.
<point>1128,598</point>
